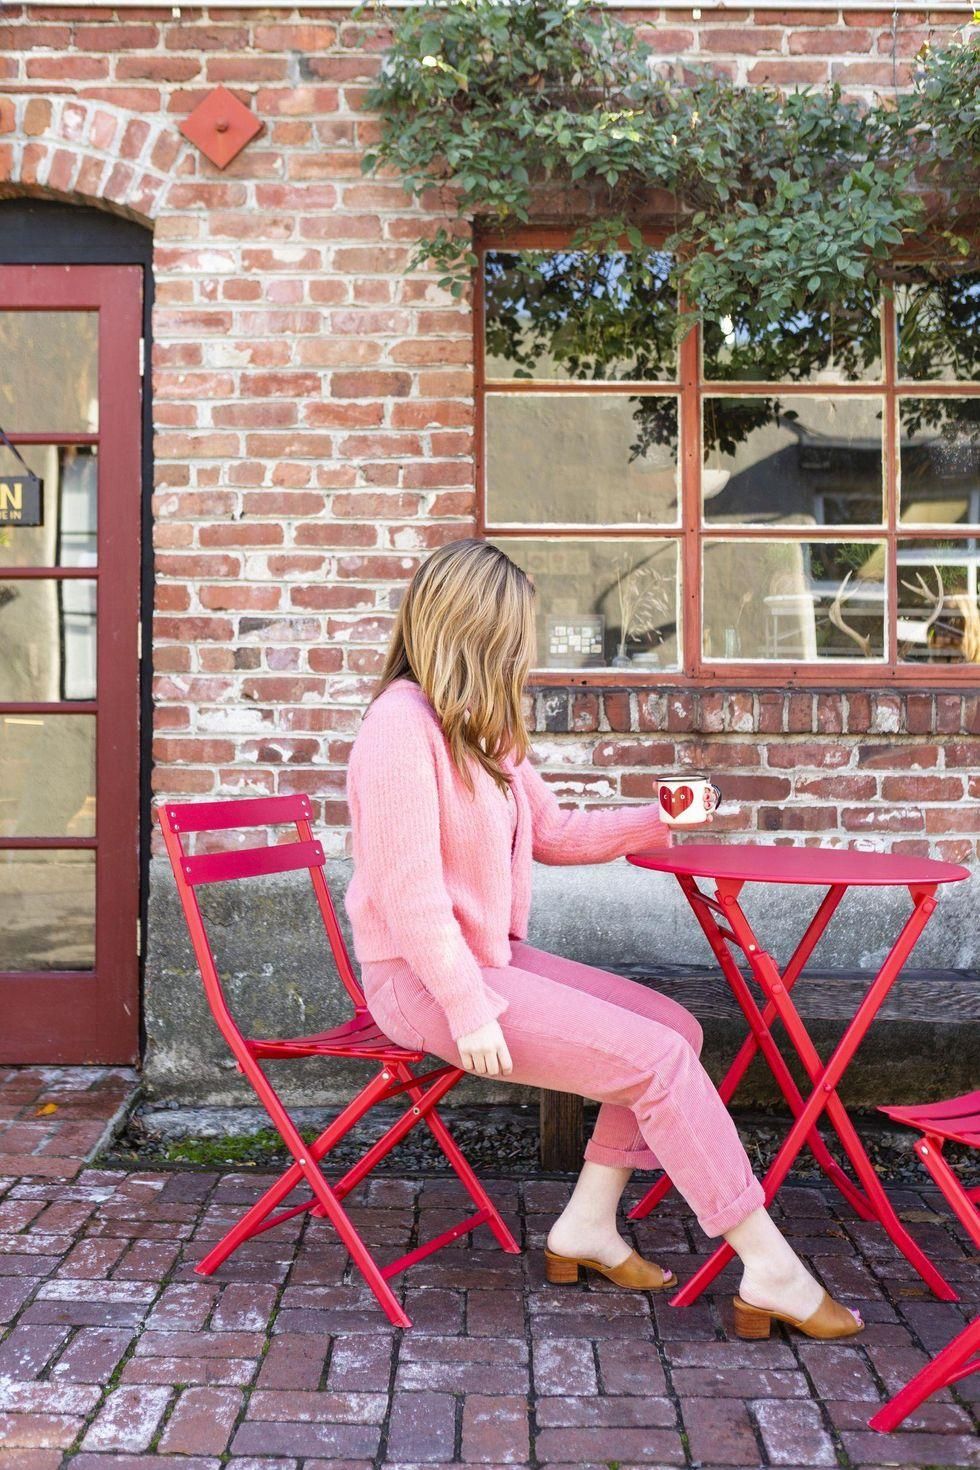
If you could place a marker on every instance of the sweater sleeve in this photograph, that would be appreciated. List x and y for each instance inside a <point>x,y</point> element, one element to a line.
<point>592,836</point>
<point>394,806</point>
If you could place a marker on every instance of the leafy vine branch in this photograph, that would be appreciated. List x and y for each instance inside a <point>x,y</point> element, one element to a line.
<point>776,202</point>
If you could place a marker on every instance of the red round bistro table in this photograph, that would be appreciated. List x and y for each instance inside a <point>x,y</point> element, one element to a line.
<point>726,868</point>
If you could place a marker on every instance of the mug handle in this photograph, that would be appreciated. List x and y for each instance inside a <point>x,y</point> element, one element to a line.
<point>717,801</point>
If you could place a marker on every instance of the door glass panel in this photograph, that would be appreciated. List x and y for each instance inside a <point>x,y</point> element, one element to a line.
<point>47,640</point>
<point>582,459</point>
<point>794,600</point>
<point>50,377</point>
<point>601,603</point>
<point>940,460</point>
<point>69,534</point>
<point>793,461</point>
<point>48,903</point>
<point>47,775</point>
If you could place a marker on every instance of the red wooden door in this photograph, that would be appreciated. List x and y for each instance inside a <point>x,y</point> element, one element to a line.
<point>69,665</point>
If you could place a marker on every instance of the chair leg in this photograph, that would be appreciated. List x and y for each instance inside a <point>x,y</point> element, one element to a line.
<point>470,1182</point>
<point>308,1165</point>
<point>952,1364</point>
<point>960,1200</point>
<point>251,1221</point>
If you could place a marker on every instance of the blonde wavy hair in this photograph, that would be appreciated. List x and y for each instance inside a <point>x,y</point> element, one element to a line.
<point>465,633</point>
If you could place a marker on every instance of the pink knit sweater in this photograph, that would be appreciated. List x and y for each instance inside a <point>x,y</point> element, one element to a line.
<point>435,881</point>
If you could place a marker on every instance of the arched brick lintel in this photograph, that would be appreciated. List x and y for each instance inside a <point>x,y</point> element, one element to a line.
<point>72,149</point>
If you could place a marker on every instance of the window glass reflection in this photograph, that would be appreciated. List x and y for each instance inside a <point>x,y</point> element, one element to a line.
<point>48,902</point>
<point>69,535</point>
<point>940,460</point>
<point>581,458</point>
<point>47,640</point>
<point>796,460</point>
<point>838,346</point>
<point>47,775</point>
<point>938,327</point>
<point>602,603</point>
<point>938,601</point>
<point>50,377</point>
<point>579,314</point>
<point>793,601</point>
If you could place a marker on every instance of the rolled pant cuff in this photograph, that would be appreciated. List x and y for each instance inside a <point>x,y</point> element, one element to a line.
<point>620,1158</point>
<point>730,1215</point>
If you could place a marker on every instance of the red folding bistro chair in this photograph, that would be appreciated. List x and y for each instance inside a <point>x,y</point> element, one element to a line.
<point>359,1037</point>
<point>956,1121</point>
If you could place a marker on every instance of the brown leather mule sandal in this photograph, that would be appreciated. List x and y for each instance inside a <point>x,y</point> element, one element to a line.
<point>828,1321</point>
<point>635,1272</point>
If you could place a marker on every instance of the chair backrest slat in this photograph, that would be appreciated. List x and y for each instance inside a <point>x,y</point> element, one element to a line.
<point>248,811</point>
<point>251,862</point>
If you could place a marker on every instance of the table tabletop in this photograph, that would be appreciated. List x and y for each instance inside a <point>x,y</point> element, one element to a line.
<point>775,863</point>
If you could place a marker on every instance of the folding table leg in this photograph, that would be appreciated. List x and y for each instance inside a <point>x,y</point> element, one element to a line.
<point>948,1367</point>
<point>759,1037</point>
<point>824,1085</point>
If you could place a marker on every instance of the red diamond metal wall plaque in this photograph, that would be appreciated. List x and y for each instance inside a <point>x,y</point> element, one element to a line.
<point>221,126</point>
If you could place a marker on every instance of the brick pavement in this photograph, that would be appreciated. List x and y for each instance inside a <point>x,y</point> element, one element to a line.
<point>52,1119</point>
<point>114,1356</point>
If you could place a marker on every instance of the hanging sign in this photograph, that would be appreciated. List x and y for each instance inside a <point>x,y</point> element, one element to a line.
<point>21,496</point>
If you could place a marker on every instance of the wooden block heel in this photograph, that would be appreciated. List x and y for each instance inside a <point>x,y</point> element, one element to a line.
<point>830,1320</point>
<point>634,1273</point>
<point>751,1323</point>
<point>559,1269</point>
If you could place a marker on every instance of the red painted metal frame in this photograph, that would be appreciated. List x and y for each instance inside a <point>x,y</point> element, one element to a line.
<point>360,1037</point>
<point>867,1196</point>
<point>957,1119</point>
<point>76,1016</point>
<point>690,388</point>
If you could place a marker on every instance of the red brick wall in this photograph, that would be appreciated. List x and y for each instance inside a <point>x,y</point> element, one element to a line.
<point>313,418</point>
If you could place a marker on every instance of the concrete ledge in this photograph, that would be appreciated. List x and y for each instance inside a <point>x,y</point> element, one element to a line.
<point>280,980</point>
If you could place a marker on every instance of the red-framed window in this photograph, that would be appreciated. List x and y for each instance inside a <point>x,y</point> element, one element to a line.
<point>801,507</point>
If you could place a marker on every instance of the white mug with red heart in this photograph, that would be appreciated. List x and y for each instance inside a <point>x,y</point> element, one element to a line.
<point>686,801</point>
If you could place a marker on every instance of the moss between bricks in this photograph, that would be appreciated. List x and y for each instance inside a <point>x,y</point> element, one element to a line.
<point>508,1146</point>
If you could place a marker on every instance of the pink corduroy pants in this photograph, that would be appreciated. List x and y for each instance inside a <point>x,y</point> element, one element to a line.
<point>575,1028</point>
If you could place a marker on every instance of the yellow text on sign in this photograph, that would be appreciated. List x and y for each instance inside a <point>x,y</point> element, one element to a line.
<point>11,498</point>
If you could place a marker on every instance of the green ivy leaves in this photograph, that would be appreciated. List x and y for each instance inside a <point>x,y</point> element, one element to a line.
<point>780,201</point>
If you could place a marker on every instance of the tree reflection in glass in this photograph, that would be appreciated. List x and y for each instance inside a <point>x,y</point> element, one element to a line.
<point>938,325</point>
<point>842,345</point>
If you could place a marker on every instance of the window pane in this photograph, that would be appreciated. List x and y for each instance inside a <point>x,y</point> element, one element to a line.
<point>938,604</point>
<point>793,601</point>
<point>839,347</point>
<point>47,641</point>
<point>602,603</point>
<point>793,461</point>
<point>48,903</point>
<point>47,775</point>
<point>577,314</point>
<point>581,458</point>
<point>50,377</point>
<point>68,537</point>
<point>940,460</point>
<point>939,329</point>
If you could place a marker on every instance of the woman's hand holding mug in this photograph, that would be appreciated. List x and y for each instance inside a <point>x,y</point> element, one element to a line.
<point>484,1051</point>
<point>687,801</point>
